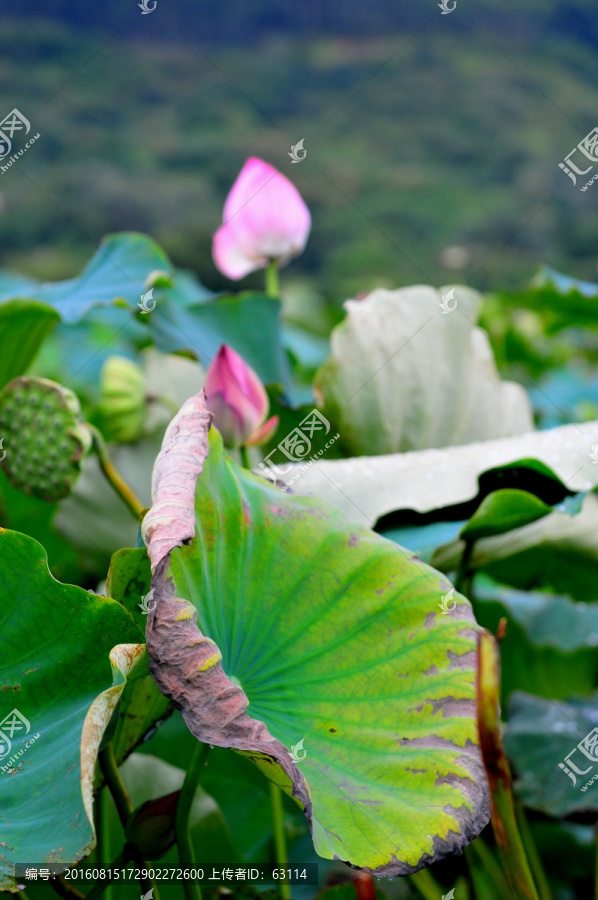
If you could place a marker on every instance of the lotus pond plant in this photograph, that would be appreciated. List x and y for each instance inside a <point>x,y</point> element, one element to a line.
<point>203,671</point>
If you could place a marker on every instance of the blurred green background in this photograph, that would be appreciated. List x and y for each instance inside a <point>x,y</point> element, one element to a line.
<point>432,141</point>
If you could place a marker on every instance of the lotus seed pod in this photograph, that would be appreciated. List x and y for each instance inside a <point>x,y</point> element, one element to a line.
<point>123,406</point>
<point>45,438</point>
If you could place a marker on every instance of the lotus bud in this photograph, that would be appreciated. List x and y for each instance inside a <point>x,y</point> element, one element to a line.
<point>151,828</point>
<point>123,406</point>
<point>264,219</point>
<point>238,400</point>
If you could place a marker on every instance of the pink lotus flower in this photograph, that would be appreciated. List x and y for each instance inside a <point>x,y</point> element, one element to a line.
<point>264,219</point>
<point>238,400</point>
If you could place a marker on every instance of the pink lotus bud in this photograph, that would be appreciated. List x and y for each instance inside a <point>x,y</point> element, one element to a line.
<point>264,219</point>
<point>238,400</point>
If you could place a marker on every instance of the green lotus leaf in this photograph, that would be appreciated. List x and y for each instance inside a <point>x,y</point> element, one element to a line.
<point>545,738</point>
<point>24,325</point>
<point>548,620</point>
<point>323,656</point>
<point>45,437</point>
<point>248,322</point>
<point>403,375</point>
<point>66,656</point>
<point>503,511</point>
<point>117,272</point>
<point>551,640</point>
<point>368,488</point>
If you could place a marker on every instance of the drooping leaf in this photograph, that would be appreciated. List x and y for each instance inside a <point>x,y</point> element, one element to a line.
<point>66,656</point>
<point>24,325</point>
<point>402,376</point>
<point>368,488</point>
<point>502,511</point>
<point>542,738</point>
<point>45,437</point>
<point>329,640</point>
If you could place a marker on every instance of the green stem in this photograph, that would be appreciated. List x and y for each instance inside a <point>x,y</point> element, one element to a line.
<point>183,812</point>
<point>462,571</point>
<point>491,867</point>
<point>122,489</point>
<point>109,770</point>
<point>533,856</point>
<point>425,885</point>
<point>272,284</point>
<point>124,808</point>
<point>103,834</point>
<point>280,843</point>
<point>245,457</point>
